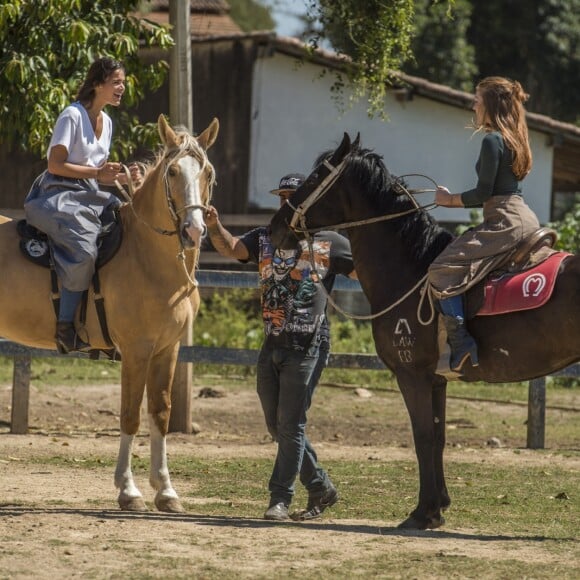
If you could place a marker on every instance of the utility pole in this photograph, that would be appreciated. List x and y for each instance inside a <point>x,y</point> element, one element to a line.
<point>180,78</point>
<point>181,113</point>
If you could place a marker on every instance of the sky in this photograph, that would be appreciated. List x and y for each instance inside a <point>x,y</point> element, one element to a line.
<point>285,13</point>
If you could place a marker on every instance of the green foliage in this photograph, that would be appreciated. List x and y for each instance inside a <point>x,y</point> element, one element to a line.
<point>568,231</point>
<point>250,15</point>
<point>441,52</point>
<point>230,319</point>
<point>42,69</point>
<point>375,34</point>
<point>537,43</point>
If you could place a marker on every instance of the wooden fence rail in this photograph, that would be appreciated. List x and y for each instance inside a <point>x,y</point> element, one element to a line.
<point>181,399</point>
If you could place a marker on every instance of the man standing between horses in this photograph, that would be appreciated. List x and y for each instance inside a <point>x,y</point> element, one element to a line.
<point>295,349</point>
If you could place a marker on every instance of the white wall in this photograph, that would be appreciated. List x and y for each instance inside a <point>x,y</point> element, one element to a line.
<point>294,119</point>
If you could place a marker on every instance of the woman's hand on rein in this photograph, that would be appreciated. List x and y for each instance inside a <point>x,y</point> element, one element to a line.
<point>108,172</point>
<point>444,198</point>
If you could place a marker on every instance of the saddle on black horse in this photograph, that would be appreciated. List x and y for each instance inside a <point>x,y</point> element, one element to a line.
<point>525,279</point>
<point>35,246</point>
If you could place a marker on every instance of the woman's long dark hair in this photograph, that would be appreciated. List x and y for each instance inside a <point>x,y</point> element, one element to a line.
<point>97,74</point>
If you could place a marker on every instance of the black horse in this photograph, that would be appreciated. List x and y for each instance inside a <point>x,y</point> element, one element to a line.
<point>391,256</point>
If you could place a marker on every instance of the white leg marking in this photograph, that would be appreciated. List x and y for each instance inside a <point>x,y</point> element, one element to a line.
<point>123,474</point>
<point>159,476</point>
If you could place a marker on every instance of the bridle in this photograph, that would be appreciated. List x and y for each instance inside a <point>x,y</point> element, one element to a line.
<point>174,212</point>
<point>298,225</point>
<point>299,215</point>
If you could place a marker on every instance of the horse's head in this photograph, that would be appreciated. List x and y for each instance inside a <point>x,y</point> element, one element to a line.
<point>311,206</point>
<point>188,177</point>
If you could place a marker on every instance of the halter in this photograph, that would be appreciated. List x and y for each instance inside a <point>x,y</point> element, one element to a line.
<point>323,188</point>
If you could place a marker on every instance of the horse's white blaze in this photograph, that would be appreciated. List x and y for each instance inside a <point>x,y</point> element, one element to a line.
<point>159,475</point>
<point>123,474</point>
<point>193,217</point>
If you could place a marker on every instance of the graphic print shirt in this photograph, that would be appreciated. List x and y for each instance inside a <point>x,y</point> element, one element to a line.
<point>293,304</point>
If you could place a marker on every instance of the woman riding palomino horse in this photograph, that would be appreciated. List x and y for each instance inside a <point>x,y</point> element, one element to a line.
<point>505,159</point>
<point>66,201</point>
<point>394,242</point>
<point>149,291</point>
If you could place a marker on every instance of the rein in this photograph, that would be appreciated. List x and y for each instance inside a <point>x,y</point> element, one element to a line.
<point>299,216</point>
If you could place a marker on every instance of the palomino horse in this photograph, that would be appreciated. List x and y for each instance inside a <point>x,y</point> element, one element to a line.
<point>149,291</point>
<point>393,244</point>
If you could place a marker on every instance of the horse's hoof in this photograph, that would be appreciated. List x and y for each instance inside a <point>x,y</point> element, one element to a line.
<point>169,504</point>
<point>413,523</point>
<point>133,504</point>
<point>435,523</point>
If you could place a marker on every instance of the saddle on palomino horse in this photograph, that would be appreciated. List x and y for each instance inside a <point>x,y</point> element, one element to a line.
<point>525,280</point>
<point>35,246</point>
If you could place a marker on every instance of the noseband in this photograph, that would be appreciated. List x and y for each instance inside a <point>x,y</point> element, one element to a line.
<point>318,193</point>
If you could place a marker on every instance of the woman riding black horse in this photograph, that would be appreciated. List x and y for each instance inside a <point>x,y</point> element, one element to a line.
<point>504,161</point>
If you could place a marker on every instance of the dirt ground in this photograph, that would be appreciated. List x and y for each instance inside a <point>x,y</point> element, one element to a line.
<point>57,522</point>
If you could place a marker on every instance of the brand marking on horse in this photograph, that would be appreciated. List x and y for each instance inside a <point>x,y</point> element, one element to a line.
<point>404,340</point>
<point>533,285</point>
<point>402,327</point>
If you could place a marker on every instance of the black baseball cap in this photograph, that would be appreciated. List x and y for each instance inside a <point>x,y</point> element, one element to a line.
<point>289,182</point>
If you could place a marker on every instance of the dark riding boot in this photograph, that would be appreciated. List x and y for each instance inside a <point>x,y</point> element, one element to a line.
<point>67,339</point>
<point>462,344</point>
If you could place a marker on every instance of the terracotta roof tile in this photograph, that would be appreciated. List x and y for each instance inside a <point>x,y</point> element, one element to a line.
<point>203,22</point>
<point>213,6</point>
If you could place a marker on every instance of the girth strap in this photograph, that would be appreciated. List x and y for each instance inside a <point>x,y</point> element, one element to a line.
<point>111,352</point>
<point>100,306</point>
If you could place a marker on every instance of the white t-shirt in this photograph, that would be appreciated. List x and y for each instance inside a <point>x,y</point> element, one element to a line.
<point>74,131</point>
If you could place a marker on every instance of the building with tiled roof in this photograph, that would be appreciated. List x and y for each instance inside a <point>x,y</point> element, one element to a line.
<point>208,17</point>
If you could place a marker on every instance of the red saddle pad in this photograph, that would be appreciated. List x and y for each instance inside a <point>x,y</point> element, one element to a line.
<point>522,291</point>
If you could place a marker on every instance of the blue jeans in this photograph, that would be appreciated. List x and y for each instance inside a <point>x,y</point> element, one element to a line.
<point>286,382</point>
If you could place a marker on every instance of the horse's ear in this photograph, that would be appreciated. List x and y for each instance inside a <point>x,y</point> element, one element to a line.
<point>207,138</point>
<point>356,142</point>
<point>167,134</point>
<point>343,149</point>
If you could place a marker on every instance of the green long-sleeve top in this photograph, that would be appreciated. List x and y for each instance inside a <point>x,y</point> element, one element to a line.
<point>494,172</point>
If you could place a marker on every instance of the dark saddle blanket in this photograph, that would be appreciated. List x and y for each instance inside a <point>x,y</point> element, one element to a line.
<point>34,244</point>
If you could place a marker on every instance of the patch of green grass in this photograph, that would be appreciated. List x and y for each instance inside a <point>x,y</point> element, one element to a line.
<point>507,500</point>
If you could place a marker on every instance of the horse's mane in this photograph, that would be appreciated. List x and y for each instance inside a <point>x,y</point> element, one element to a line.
<point>187,145</point>
<point>422,236</point>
